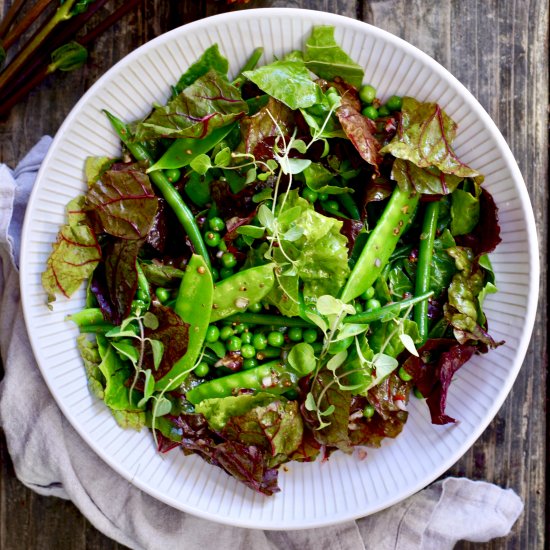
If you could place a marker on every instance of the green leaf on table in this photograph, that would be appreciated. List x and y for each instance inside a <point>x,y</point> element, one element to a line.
<point>209,103</point>
<point>325,58</point>
<point>75,254</point>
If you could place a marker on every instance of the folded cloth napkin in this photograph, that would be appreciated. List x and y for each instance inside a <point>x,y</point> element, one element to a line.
<point>52,459</point>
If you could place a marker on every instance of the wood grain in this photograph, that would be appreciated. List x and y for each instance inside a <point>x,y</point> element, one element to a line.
<point>499,51</point>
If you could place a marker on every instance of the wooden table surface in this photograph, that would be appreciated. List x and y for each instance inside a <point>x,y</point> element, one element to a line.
<point>499,50</point>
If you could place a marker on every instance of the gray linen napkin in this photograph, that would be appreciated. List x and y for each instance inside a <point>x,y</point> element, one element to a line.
<point>52,459</point>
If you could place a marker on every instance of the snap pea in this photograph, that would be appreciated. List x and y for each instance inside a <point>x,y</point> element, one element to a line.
<point>272,377</point>
<point>143,285</point>
<point>234,294</point>
<point>184,150</point>
<point>381,242</point>
<point>90,320</point>
<point>193,305</point>
<point>173,198</point>
<point>423,267</point>
<point>389,309</point>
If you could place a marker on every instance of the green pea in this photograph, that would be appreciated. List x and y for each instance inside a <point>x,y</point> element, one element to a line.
<point>248,351</point>
<point>383,110</point>
<point>394,103</point>
<point>259,341</point>
<point>246,337</point>
<point>310,335</point>
<point>141,295</point>
<point>331,205</point>
<point>212,334</point>
<point>373,303</point>
<point>295,334</point>
<point>275,339</point>
<point>370,112</point>
<point>367,94</point>
<point>216,224</point>
<point>250,363</point>
<point>368,294</point>
<point>226,272</point>
<point>228,260</point>
<point>226,333</point>
<point>255,308</point>
<point>309,195</point>
<point>240,328</point>
<point>201,370</point>
<point>163,294</point>
<point>404,375</point>
<point>211,238</point>
<point>322,196</point>
<point>234,343</point>
<point>358,306</point>
<point>368,411</point>
<point>173,175</point>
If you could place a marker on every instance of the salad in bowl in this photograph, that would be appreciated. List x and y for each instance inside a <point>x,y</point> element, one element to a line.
<point>276,263</point>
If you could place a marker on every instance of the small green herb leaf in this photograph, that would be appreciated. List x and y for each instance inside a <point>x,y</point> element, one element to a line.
<point>158,349</point>
<point>162,407</point>
<point>150,320</point>
<point>337,360</point>
<point>310,403</point>
<point>201,164</point>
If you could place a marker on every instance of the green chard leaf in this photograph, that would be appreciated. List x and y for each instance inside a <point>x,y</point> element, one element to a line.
<point>94,168</point>
<point>211,59</point>
<point>325,58</point>
<point>465,211</point>
<point>428,181</point>
<point>424,137</point>
<point>289,81</point>
<point>75,255</point>
<point>90,355</point>
<point>124,202</point>
<point>209,103</point>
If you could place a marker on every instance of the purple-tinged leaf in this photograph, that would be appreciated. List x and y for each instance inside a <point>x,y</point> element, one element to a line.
<point>208,103</point>
<point>124,202</point>
<point>121,276</point>
<point>429,181</point>
<point>174,335</point>
<point>75,254</point>
<point>424,137</point>
<point>361,132</point>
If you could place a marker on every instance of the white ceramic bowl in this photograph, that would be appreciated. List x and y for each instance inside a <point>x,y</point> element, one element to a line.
<point>344,487</point>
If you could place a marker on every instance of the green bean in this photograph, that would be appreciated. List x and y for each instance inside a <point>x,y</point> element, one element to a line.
<point>248,66</point>
<point>174,199</point>
<point>143,284</point>
<point>389,309</point>
<point>423,267</point>
<point>270,377</point>
<point>267,319</point>
<point>381,242</point>
<point>90,320</point>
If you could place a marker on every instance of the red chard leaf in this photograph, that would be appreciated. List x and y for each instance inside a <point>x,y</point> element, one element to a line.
<point>210,102</point>
<point>174,335</point>
<point>361,132</point>
<point>121,276</point>
<point>124,202</point>
<point>424,137</point>
<point>429,181</point>
<point>75,254</point>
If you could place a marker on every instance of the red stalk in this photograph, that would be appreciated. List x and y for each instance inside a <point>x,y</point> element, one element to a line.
<point>10,16</point>
<point>30,17</point>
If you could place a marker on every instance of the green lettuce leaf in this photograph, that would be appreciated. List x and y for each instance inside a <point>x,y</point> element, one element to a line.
<point>382,331</point>
<point>424,137</point>
<point>288,81</point>
<point>219,410</point>
<point>90,355</point>
<point>75,254</point>
<point>277,427</point>
<point>465,211</point>
<point>325,58</point>
<point>462,308</point>
<point>322,180</point>
<point>320,252</point>
<point>210,102</point>
<point>94,167</point>
<point>211,59</point>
